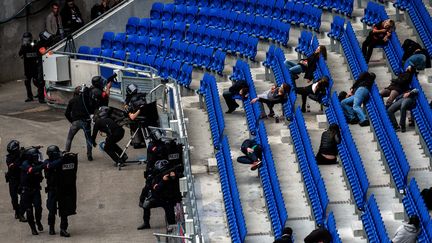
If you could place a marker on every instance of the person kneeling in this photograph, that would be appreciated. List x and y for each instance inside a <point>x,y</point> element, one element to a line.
<point>328,148</point>
<point>253,154</point>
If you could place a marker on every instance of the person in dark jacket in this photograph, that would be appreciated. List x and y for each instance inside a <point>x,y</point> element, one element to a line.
<point>427,197</point>
<point>407,233</point>
<point>31,177</point>
<point>99,9</point>
<point>276,95</point>
<point>238,88</point>
<point>398,86</point>
<point>286,236</point>
<point>308,65</point>
<point>253,154</point>
<point>71,17</point>
<point>114,133</point>
<point>327,153</point>
<point>13,161</point>
<point>359,92</point>
<point>316,91</point>
<point>403,102</point>
<point>320,235</point>
<point>379,35</point>
<point>415,55</point>
<point>29,52</point>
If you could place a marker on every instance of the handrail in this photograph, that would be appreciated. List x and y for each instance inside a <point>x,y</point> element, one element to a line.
<point>172,236</point>
<point>152,69</point>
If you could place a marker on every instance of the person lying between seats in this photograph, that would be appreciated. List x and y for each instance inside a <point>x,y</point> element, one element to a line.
<point>403,102</point>
<point>314,91</point>
<point>379,35</point>
<point>327,152</point>
<point>306,66</point>
<point>276,95</point>
<point>238,88</point>
<point>398,86</point>
<point>358,93</point>
<point>252,154</point>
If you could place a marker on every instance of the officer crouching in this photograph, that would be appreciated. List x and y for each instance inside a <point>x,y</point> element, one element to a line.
<point>60,173</point>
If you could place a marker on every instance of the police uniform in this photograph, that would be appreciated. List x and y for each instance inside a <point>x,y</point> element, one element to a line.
<point>33,69</point>
<point>13,162</point>
<point>114,134</point>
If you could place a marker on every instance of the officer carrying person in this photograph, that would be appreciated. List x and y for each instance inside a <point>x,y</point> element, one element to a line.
<point>60,174</point>
<point>13,161</point>
<point>31,177</point>
<point>29,52</point>
<point>105,121</point>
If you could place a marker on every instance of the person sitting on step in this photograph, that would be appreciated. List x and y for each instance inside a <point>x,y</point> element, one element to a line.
<point>276,95</point>
<point>314,91</point>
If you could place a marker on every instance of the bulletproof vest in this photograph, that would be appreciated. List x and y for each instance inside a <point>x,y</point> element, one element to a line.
<point>16,159</point>
<point>31,180</point>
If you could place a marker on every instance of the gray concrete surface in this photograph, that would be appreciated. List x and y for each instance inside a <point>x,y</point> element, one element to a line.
<point>107,207</point>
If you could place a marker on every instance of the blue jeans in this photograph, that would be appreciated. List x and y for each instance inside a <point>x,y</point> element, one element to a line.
<point>403,105</point>
<point>418,61</point>
<point>352,105</point>
<point>293,67</point>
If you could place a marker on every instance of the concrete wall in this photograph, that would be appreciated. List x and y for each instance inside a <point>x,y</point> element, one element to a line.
<point>11,66</point>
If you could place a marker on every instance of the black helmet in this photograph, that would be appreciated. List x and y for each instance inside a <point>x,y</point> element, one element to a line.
<point>13,146</point>
<point>53,152</point>
<point>31,154</point>
<point>98,82</point>
<point>131,89</point>
<point>156,135</point>
<point>27,35</point>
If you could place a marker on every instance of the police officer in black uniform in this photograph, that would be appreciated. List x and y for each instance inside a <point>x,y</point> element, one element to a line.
<point>13,162</point>
<point>31,177</point>
<point>134,104</point>
<point>32,67</point>
<point>114,133</point>
<point>55,167</point>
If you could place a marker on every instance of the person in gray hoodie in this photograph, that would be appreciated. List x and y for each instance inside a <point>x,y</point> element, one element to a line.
<point>407,233</point>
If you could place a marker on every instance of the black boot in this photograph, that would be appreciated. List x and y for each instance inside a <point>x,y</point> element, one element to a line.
<point>33,230</point>
<point>145,225</point>
<point>64,233</point>
<point>39,226</point>
<point>51,230</point>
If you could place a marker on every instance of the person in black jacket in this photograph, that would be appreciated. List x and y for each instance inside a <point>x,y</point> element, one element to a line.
<point>415,55</point>
<point>359,92</point>
<point>316,90</point>
<point>238,88</point>
<point>320,235</point>
<point>99,9</point>
<point>379,35</point>
<point>276,95</point>
<point>327,153</point>
<point>286,236</point>
<point>31,177</point>
<point>398,86</point>
<point>403,102</point>
<point>29,52</point>
<point>307,66</point>
<point>71,17</point>
<point>253,154</point>
<point>114,133</point>
<point>13,161</point>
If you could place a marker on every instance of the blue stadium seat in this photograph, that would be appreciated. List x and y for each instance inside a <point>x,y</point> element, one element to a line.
<point>144,27</point>
<point>106,53</point>
<point>179,13</point>
<point>164,48</point>
<point>206,36</point>
<point>189,53</point>
<point>227,4</point>
<point>251,6</point>
<point>223,40</point>
<point>215,35</point>
<point>199,34</point>
<point>203,16</point>
<point>142,44</point>
<point>248,24</point>
<point>95,52</point>
<point>175,69</point>
<point>240,21</point>
<point>213,17</point>
<point>158,63</point>
<point>132,25</point>
<point>131,43</point>
<point>153,46</point>
<point>191,12</point>
<point>168,11</point>
<point>178,31</point>
<point>232,44</point>
<point>149,60</point>
<point>206,58</point>
<point>119,41</point>
<point>181,52</point>
<point>165,69</point>
<point>239,5</point>
<point>121,55</point>
<point>132,57</point>
<point>189,35</point>
<point>155,28</point>
<point>84,50</point>
<point>198,55</point>
<point>167,29</point>
<point>106,42</point>
<point>156,10</point>
<point>231,20</point>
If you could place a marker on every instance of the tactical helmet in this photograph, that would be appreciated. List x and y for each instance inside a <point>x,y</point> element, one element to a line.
<point>53,152</point>
<point>156,135</point>
<point>31,154</point>
<point>98,82</point>
<point>13,146</point>
<point>131,89</point>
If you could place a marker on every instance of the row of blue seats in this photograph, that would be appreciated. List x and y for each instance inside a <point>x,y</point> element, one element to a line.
<point>273,195</point>
<point>275,60</point>
<point>348,152</point>
<point>314,183</point>
<point>336,28</point>
<point>224,39</point>
<point>414,205</point>
<point>421,20</point>
<point>291,12</point>
<point>384,130</point>
<point>156,27</point>
<point>373,223</point>
<point>233,21</point>
<point>340,6</point>
<point>422,113</point>
<point>373,13</point>
<point>331,227</point>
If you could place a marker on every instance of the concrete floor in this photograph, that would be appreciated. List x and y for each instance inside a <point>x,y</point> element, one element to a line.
<point>107,207</point>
